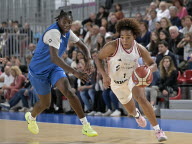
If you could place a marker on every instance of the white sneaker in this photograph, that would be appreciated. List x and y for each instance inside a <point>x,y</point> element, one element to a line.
<point>5,105</point>
<point>30,109</point>
<point>107,113</point>
<point>91,113</point>
<point>98,114</point>
<point>24,109</point>
<point>116,113</point>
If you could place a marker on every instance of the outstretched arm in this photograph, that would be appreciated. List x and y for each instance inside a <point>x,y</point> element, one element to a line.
<point>105,52</point>
<point>58,61</point>
<point>147,58</point>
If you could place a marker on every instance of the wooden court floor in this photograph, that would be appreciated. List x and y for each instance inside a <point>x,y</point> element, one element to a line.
<point>13,132</point>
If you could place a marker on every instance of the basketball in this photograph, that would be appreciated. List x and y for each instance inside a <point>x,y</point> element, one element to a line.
<point>142,76</point>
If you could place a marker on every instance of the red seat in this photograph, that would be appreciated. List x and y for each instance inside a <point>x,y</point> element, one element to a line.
<point>188,76</point>
<point>181,78</point>
<point>178,96</point>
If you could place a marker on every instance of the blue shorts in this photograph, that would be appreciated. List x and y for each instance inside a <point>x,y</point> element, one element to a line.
<point>41,84</point>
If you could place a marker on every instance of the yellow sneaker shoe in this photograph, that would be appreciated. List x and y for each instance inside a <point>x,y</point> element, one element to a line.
<point>89,131</point>
<point>32,125</point>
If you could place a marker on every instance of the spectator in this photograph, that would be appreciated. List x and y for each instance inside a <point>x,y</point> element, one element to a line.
<point>165,24</point>
<point>31,48</point>
<point>163,11</point>
<point>112,23</point>
<point>92,19</point>
<point>118,11</point>
<point>139,17</point>
<point>164,51</point>
<point>101,14</point>
<point>152,21</point>
<point>186,43</point>
<point>86,90</point>
<point>168,80</point>
<point>6,79</point>
<point>18,83</point>
<point>182,11</point>
<point>66,58</point>
<point>104,23</point>
<point>164,35</point>
<point>175,20</point>
<point>188,4</point>
<point>153,45</point>
<point>144,39</point>
<point>188,25</point>
<point>102,31</point>
<point>176,37</point>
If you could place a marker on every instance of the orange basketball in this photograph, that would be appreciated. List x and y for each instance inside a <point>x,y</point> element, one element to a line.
<point>142,76</point>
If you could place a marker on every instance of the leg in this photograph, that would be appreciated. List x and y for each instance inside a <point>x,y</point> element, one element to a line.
<point>65,88</point>
<point>139,95</point>
<point>43,103</point>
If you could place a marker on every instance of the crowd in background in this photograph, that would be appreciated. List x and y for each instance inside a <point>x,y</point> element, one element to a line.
<point>166,32</point>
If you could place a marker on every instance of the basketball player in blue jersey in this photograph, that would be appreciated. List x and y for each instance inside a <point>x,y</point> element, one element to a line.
<point>123,54</point>
<point>47,69</point>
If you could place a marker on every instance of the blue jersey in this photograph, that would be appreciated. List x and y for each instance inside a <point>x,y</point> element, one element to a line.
<point>41,64</point>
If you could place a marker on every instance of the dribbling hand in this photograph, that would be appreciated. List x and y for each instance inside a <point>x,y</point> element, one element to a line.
<point>82,76</point>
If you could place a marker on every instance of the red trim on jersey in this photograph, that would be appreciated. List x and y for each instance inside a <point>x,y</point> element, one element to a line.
<point>116,48</point>
<point>130,50</point>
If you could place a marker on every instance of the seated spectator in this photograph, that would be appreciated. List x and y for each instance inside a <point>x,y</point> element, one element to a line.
<point>23,94</point>
<point>175,20</point>
<point>18,83</point>
<point>188,24</point>
<point>176,37</point>
<point>164,51</point>
<point>165,24</point>
<point>153,45</point>
<point>86,90</point>
<point>144,39</point>
<point>186,42</point>
<point>118,11</point>
<point>6,79</point>
<point>182,11</point>
<point>164,35</point>
<point>167,86</point>
<point>153,20</point>
<point>163,11</point>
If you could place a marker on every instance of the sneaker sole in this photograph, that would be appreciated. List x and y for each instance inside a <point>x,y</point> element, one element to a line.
<point>84,133</point>
<point>162,139</point>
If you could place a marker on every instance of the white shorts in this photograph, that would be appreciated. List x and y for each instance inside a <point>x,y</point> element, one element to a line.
<point>123,91</point>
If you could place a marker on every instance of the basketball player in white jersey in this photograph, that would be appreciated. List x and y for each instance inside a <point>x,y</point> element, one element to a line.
<point>122,55</point>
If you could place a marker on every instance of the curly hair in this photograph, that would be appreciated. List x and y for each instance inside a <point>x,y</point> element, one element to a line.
<point>171,68</point>
<point>129,24</point>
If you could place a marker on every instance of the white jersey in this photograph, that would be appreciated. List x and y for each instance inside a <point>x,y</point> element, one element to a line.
<point>123,62</point>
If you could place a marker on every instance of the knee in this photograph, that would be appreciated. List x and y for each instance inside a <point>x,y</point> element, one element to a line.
<point>141,99</point>
<point>69,93</point>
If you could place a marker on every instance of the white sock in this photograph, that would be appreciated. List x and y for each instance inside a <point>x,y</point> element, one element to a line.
<point>156,128</point>
<point>137,115</point>
<point>84,121</point>
<point>32,118</point>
